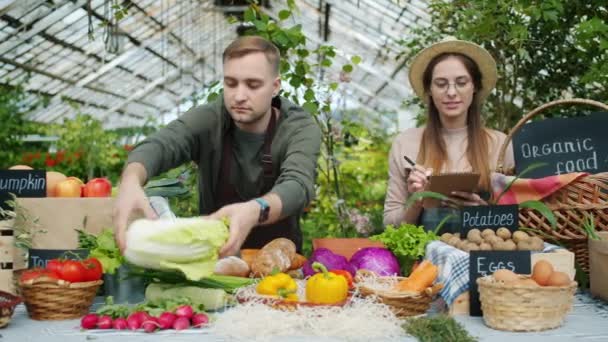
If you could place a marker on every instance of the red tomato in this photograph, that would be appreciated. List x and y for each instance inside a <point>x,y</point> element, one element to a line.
<point>92,269</point>
<point>72,271</point>
<point>55,265</point>
<point>35,273</point>
<point>98,187</point>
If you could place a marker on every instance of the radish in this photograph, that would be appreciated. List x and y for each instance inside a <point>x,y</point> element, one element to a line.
<point>181,323</point>
<point>184,311</point>
<point>104,322</point>
<point>166,320</point>
<point>135,320</point>
<point>120,324</point>
<point>200,319</point>
<point>89,321</point>
<point>150,325</point>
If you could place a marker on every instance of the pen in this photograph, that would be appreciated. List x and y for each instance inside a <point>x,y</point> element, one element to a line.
<point>409,161</point>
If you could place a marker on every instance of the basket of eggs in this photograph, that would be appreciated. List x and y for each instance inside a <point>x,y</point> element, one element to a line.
<point>536,302</point>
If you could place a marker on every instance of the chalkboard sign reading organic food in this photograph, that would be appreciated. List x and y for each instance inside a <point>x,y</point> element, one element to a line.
<point>483,263</point>
<point>566,145</point>
<point>489,216</point>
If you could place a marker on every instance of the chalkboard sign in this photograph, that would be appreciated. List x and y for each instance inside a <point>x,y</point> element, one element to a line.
<point>21,183</point>
<point>39,257</point>
<point>489,216</point>
<point>483,263</point>
<point>565,144</point>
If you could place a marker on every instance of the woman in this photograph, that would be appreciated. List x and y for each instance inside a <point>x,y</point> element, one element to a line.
<point>453,77</point>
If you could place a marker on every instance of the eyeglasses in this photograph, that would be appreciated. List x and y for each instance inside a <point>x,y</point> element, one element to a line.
<point>442,86</point>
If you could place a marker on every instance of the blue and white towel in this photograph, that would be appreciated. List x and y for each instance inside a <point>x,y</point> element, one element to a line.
<point>454,268</point>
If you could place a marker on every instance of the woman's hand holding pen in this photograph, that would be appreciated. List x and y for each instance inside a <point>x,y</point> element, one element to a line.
<point>418,178</point>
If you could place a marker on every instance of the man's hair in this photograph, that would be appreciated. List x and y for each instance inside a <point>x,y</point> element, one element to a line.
<point>243,46</point>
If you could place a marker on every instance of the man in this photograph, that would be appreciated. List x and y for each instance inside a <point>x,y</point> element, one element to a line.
<point>256,154</point>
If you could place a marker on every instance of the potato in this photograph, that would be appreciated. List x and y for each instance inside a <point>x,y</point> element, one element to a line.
<point>474,235</point>
<point>445,237</point>
<point>484,246</point>
<point>524,245</point>
<point>509,245</point>
<point>494,239</point>
<point>462,244</point>
<point>453,241</point>
<point>487,233</point>
<point>520,236</point>
<point>473,246</point>
<point>504,233</point>
<point>537,244</point>
<point>457,235</point>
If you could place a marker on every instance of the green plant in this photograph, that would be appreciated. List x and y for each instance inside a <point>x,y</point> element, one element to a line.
<point>25,227</point>
<point>97,151</point>
<point>544,50</point>
<point>440,328</point>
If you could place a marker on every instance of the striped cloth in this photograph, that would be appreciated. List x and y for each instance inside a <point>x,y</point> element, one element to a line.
<point>454,268</point>
<point>525,189</point>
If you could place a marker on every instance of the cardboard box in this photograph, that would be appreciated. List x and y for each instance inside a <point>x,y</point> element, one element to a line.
<point>561,259</point>
<point>598,266</point>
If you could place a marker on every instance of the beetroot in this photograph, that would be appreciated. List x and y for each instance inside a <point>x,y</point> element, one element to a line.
<point>166,319</point>
<point>104,322</point>
<point>184,311</point>
<point>199,320</point>
<point>181,323</point>
<point>89,321</point>
<point>120,324</point>
<point>150,325</point>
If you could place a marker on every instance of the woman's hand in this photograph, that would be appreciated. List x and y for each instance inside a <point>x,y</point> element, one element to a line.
<point>418,179</point>
<point>460,199</point>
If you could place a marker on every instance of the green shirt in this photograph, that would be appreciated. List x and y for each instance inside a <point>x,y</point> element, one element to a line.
<point>198,135</point>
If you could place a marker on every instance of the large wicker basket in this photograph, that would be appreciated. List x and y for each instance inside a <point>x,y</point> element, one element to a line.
<point>402,304</point>
<point>571,203</point>
<point>524,307</point>
<point>58,301</point>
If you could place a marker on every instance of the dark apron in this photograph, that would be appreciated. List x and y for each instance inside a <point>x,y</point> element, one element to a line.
<point>259,235</point>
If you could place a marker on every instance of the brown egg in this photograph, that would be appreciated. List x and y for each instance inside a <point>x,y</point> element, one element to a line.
<point>559,279</point>
<point>505,276</point>
<point>541,272</point>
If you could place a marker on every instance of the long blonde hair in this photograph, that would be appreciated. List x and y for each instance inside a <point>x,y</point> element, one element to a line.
<point>433,151</point>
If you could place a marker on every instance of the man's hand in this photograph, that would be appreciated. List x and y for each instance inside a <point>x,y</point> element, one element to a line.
<point>131,197</point>
<point>243,217</point>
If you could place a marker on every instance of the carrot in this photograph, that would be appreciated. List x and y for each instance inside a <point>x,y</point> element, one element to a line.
<point>423,276</point>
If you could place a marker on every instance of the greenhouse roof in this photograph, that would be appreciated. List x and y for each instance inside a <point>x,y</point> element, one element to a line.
<point>163,51</point>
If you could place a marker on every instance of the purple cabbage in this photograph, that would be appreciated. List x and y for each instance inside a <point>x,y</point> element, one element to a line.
<point>329,259</point>
<point>378,260</point>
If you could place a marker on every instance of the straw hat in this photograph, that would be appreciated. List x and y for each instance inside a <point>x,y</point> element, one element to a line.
<point>485,62</point>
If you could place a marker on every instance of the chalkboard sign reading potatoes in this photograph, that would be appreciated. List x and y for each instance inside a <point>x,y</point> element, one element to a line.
<point>565,144</point>
<point>484,263</point>
<point>489,216</point>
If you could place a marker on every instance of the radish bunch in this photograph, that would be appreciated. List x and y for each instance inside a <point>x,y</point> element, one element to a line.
<point>182,318</point>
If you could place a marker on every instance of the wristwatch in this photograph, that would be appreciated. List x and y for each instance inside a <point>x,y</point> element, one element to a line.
<point>264,209</point>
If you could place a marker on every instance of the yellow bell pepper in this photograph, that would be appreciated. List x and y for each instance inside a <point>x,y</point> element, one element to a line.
<point>278,284</point>
<point>326,287</point>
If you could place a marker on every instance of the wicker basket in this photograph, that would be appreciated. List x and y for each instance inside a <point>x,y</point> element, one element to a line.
<point>402,304</point>
<point>51,301</point>
<point>7,307</point>
<point>524,307</point>
<point>571,203</point>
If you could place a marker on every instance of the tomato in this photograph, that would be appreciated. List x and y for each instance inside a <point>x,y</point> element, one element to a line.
<point>98,187</point>
<point>36,273</point>
<point>55,265</point>
<point>93,269</point>
<point>72,271</point>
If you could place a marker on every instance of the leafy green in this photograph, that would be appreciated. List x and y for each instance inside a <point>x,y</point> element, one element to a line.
<point>190,245</point>
<point>408,243</point>
<point>152,307</point>
<point>103,247</point>
<point>440,328</point>
<point>214,281</point>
